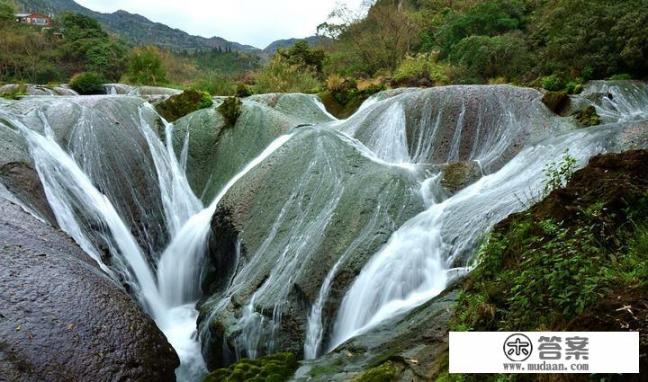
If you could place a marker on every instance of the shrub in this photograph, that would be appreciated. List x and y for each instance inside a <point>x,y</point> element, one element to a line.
<point>280,76</point>
<point>179,105</point>
<point>88,83</point>
<point>573,87</point>
<point>215,84</point>
<point>422,66</point>
<point>242,91</point>
<point>557,175</point>
<point>230,110</point>
<point>484,57</point>
<point>145,67</point>
<point>552,83</point>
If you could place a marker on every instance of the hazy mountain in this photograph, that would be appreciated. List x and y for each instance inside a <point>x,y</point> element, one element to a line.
<point>136,28</point>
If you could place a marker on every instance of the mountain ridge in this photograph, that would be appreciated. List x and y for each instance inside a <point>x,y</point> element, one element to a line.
<point>138,29</point>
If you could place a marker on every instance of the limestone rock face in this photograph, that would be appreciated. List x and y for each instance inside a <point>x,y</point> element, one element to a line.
<point>314,207</point>
<point>62,319</point>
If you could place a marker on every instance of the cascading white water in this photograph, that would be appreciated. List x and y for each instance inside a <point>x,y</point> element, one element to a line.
<point>80,208</point>
<point>415,265</point>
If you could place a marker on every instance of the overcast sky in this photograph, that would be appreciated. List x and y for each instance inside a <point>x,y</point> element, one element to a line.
<point>252,22</point>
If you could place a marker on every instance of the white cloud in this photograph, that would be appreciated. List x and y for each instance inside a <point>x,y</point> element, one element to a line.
<point>253,22</point>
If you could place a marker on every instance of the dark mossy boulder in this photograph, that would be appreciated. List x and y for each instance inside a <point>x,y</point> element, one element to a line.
<point>588,117</point>
<point>556,101</point>
<point>179,105</point>
<point>62,319</point>
<point>277,367</point>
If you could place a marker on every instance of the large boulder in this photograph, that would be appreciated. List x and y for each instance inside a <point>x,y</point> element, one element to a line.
<point>489,124</point>
<point>315,210</point>
<point>61,318</point>
<point>217,151</point>
<point>107,137</point>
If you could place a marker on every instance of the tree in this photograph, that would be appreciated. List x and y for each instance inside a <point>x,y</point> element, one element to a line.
<point>376,42</point>
<point>484,57</point>
<point>145,66</point>
<point>303,55</point>
<point>7,12</point>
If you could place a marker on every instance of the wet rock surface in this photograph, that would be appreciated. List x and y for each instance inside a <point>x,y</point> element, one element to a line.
<point>218,151</point>
<point>415,345</point>
<point>62,319</point>
<point>315,202</point>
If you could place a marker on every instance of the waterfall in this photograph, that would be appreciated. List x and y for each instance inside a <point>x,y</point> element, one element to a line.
<point>90,218</point>
<point>417,262</point>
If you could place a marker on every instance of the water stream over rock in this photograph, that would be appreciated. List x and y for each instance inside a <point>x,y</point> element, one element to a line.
<point>292,231</point>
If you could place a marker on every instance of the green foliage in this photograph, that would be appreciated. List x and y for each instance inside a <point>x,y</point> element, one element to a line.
<point>231,110</point>
<point>547,269</point>
<point>573,87</point>
<point>593,38</point>
<point>386,372</point>
<point>273,368</point>
<point>557,175</point>
<point>488,18</point>
<point>88,83</point>
<point>7,12</point>
<point>303,56</point>
<point>280,76</point>
<point>242,90</point>
<point>484,57</point>
<point>179,105</point>
<point>215,84</point>
<point>145,67</point>
<point>87,47</point>
<point>552,83</point>
<point>422,66</point>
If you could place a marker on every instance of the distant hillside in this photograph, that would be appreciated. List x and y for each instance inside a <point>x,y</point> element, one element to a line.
<point>312,41</point>
<point>137,29</point>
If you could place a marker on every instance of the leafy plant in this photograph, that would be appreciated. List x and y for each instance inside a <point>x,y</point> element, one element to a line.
<point>558,174</point>
<point>88,83</point>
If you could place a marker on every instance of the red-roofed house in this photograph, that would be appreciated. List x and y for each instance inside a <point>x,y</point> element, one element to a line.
<point>34,18</point>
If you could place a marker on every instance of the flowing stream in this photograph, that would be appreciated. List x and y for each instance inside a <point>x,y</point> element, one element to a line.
<point>130,206</point>
<point>169,293</point>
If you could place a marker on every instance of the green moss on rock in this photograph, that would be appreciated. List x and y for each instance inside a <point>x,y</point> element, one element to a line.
<point>556,101</point>
<point>187,102</point>
<point>386,372</point>
<point>588,117</point>
<point>231,110</point>
<point>273,368</point>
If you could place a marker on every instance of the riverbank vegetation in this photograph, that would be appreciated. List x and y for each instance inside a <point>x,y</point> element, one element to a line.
<point>575,261</point>
<point>556,45</point>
